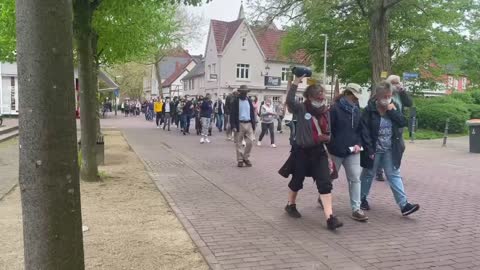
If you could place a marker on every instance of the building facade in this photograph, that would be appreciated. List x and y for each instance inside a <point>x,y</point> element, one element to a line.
<point>8,89</point>
<point>238,54</point>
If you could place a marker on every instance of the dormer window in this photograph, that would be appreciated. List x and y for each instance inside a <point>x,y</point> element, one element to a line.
<point>244,43</point>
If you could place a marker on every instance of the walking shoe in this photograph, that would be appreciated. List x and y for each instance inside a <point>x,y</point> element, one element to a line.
<point>410,209</point>
<point>273,145</point>
<point>359,215</point>
<point>202,140</point>
<point>292,211</point>
<point>248,163</point>
<point>158,127</point>
<point>240,164</point>
<point>380,177</point>
<point>333,223</point>
<point>320,202</point>
<point>364,205</point>
<point>259,143</point>
<point>207,140</point>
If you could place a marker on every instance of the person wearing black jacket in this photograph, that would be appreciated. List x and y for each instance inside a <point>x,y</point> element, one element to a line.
<point>402,99</point>
<point>381,125</point>
<point>242,121</point>
<point>228,109</point>
<point>346,143</point>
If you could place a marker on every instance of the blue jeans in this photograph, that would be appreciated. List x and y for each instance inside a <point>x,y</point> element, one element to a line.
<point>220,118</point>
<point>351,163</point>
<point>385,161</point>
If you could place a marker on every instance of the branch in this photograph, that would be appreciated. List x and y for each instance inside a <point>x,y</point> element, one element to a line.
<point>362,8</point>
<point>387,4</point>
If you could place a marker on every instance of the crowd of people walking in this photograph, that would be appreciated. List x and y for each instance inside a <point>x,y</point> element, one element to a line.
<point>324,138</point>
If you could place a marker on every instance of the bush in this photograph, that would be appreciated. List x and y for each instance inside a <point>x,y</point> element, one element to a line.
<point>465,97</point>
<point>475,94</point>
<point>474,110</point>
<point>433,116</point>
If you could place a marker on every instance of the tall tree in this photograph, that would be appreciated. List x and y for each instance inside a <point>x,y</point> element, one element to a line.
<point>126,29</point>
<point>7,30</point>
<point>380,33</point>
<point>49,178</point>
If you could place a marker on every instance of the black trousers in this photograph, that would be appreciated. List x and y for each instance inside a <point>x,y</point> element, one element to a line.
<point>158,118</point>
<point>312,161</point>
<point>269,127</point>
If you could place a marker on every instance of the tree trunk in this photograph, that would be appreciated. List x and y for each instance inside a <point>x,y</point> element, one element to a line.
<point>159,79</point>
<point>96,68</point>
<point>379,46</point>
<point>48,176</point>
<point>88,97</point>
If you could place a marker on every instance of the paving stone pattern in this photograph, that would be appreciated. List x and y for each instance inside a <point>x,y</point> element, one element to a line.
<point>236,216</point>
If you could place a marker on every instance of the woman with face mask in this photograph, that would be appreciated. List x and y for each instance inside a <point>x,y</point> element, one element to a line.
<point>381,139</point>
<point>346,143</point>
<point>309,154</point>
<point>267,117</point>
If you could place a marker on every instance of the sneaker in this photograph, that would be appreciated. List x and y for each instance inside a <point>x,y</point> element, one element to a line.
<point>202,140</point>
<point>240,164</point>
<point>273,145</point>
<point>410,209</point>
<point>207,140</point>
<point>158,127</point>
<point>259,143</point>
<point>320,202</point>
<point>364,205</point>
<point>359,215</point>
<point>244,144</point>
<point>380,177</point>
<point>248,163</point>
<point>292,211</point>
<point>333,223</point>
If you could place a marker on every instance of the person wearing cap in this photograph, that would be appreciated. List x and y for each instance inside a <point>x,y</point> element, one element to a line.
<point>242,121</point>
<point>346,143</point>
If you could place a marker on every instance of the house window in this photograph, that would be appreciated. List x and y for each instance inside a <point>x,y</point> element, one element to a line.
<point>285,73</point>
<point>214,68</point>
<point>209,69</point>
<point>276,99</point>
<point>243,71</point>
<point>193,83</point>
<point>185,85</point>
<point>244,43</point>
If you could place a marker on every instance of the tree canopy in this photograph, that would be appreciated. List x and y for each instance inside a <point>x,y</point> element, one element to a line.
<point>417,33</point>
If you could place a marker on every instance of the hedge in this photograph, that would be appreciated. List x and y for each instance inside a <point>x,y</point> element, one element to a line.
<point>433,116</point>
<point>474,110</point>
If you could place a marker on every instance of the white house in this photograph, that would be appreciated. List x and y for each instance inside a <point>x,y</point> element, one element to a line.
<point>173,67</point>
<point>194,81</point>
<point>238,54</point>
<point>9,88</point>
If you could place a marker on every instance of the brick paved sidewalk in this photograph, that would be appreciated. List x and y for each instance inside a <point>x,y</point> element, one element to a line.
<point>236,216</point>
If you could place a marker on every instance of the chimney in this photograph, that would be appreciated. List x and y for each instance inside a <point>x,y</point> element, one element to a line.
<point>177,66</point>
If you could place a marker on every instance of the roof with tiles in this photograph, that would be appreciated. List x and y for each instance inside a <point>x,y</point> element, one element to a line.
<point>179,70</point>
<point>268,38</point>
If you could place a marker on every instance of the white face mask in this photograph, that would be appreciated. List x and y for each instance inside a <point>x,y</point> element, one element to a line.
<point>385,101</point>
<point>317,104</point>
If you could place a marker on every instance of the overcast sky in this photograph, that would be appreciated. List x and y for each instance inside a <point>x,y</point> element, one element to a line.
<point>224,10</point>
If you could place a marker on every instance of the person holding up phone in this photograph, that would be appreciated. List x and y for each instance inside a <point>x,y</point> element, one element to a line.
<point>381,125</point>
<point>309,154</point>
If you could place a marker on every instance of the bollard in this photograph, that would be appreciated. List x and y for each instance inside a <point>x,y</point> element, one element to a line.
<point>413,127</point>
<point>445,136</point>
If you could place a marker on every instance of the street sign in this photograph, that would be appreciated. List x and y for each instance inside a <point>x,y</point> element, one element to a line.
<point>116,92</point>
<point>213,76</point>
<point>273,81</point>
<point>383,75</point>
<point>410,75</point>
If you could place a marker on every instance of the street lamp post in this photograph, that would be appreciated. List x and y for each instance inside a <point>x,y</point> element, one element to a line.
<point>325,59</point>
